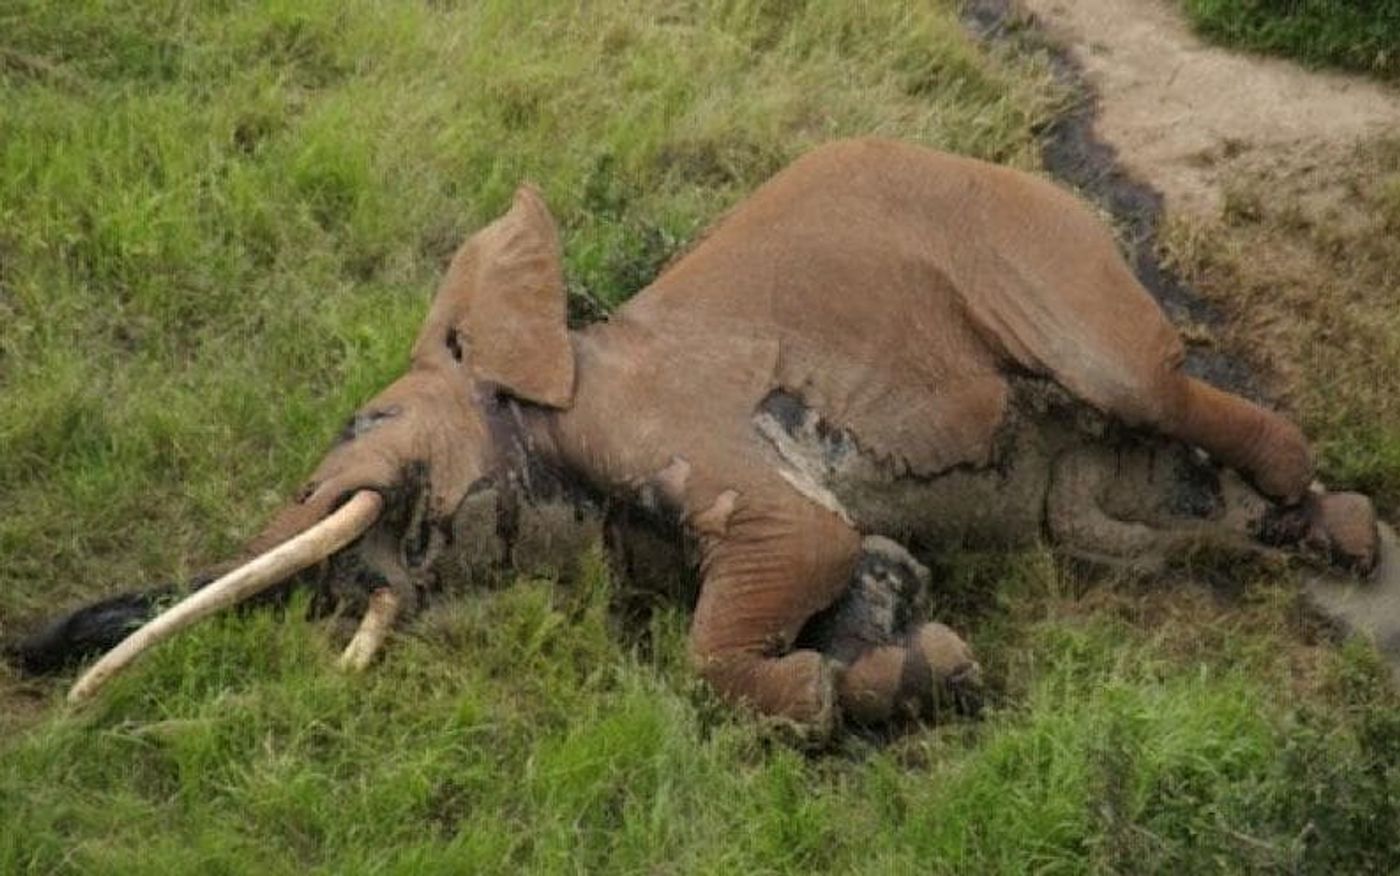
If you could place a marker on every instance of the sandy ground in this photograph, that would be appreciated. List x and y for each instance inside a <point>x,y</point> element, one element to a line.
<point>1189,118</point>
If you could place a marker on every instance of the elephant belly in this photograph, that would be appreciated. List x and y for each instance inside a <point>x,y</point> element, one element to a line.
<point>1002,503</point>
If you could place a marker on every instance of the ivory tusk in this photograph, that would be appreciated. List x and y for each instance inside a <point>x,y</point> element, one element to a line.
<point>374,628</point>
<point>254,576</point>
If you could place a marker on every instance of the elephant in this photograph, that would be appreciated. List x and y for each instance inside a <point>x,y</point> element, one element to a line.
<point>885,350</point>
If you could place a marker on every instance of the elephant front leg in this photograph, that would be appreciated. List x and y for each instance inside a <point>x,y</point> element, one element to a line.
<point>769,568</point>
<point>892,663</point>
<point>870,658</point>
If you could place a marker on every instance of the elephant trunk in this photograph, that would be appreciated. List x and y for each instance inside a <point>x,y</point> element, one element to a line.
<point>265,570</point>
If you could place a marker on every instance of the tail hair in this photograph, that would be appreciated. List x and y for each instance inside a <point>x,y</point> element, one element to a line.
<point>90,630</point>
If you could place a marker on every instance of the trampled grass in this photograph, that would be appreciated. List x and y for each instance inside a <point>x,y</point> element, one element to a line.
<point>219,226</point>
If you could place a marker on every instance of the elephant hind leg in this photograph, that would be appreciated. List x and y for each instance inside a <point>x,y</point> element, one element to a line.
<point>1272,454</point>
<point>1263,446</point>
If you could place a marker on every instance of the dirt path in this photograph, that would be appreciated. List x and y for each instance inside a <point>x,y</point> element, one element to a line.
<point>1189,117</point>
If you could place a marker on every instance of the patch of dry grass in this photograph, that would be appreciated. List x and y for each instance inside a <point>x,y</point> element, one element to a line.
<point>1308,269</point>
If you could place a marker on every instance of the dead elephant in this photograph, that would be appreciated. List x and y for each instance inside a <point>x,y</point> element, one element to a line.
<point>883,346</point>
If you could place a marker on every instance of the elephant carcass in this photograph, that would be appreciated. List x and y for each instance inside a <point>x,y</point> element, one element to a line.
<point>882,341</point>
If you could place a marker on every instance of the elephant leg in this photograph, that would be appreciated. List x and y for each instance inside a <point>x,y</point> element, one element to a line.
<point>778,561</point>
<point>1343,527</point>
<point>1081,526</point>
<point>1263,446</point>
<point>892,664</point>
<point>930,670</point>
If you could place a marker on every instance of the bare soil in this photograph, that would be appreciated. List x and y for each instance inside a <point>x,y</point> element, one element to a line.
<point>1190,117</point>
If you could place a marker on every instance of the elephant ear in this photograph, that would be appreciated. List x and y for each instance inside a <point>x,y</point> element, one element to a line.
<point>501,309</point>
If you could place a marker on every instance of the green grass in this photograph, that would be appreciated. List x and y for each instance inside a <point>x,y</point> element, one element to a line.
<point>520,732</point>
<point>219,227</point>
<point>1352,34</point>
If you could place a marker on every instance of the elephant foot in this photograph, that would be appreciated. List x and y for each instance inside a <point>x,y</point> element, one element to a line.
<point>810,719</point>
<point>931,675</point>
<point>1342,527</point>
<point>1365,606</point>
<point>956,676</point>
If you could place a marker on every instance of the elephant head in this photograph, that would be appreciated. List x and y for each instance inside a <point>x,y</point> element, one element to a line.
<point>495,331</point>
<point>449,428</point>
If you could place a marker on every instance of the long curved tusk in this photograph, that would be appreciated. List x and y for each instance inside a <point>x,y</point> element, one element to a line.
<point>374,628</point>
<point>254,576</point>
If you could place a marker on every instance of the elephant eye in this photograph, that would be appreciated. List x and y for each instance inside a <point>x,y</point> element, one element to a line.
<point>454,344</point>
<point>364,421</point>
<point>492,396</point>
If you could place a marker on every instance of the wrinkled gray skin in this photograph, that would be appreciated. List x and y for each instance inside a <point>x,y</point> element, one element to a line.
<point>1096,490</point>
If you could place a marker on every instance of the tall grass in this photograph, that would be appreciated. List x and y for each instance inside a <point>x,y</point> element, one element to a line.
<point>219,226</point>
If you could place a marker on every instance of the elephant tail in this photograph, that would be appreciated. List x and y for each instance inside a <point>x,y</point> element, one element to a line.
<point>89,630</point>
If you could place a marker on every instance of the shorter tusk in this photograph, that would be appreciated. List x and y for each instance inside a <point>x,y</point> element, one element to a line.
<point>263,571</point>
<point>379,618</point>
